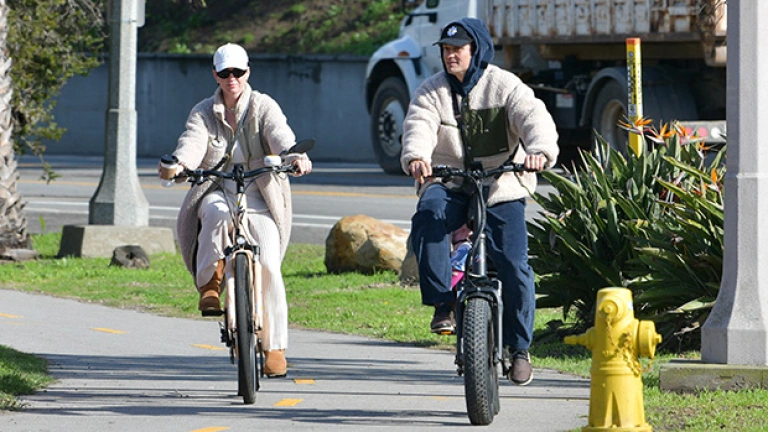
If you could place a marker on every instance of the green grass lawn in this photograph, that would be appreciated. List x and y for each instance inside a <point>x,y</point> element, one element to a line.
<point>20,374</point>
<point>370,305</point>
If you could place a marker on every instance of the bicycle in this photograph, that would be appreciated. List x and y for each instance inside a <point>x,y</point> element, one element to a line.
<point>243,299</point>
<point>479,306</point>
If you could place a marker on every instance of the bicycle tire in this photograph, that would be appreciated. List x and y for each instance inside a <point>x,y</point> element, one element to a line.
<point>248,380</point>
<point>481,377</point>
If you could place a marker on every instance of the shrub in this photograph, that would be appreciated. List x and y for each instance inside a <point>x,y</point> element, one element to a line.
<point>650,222</point>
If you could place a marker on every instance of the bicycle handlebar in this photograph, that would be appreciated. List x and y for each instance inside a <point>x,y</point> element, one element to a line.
<point>200,176</point>
<point>442,171</point>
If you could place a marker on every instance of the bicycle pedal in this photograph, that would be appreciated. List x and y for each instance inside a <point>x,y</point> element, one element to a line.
<point>446,332</point>
<point>212,313</point>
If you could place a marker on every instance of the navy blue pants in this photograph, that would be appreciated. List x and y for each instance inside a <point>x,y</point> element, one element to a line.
<point>440,212</point>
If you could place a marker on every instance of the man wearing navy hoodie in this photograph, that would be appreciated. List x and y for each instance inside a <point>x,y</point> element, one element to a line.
<point>498,112</point>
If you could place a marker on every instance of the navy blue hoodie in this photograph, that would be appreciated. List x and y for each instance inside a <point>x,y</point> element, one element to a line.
<point>480,58</point>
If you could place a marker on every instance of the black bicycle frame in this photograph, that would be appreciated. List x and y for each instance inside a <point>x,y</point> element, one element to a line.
<point>476,282</point>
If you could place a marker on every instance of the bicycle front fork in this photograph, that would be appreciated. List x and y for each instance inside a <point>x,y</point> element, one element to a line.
<point>488,290</point>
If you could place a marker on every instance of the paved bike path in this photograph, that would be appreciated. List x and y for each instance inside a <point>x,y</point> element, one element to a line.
<point>122,370</point>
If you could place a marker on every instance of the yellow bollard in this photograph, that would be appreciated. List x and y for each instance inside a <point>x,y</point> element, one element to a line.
<point>635,96</point>
<point>617,341</point>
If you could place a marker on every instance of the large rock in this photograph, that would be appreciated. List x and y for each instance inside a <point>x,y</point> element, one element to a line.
<point>364,244</point>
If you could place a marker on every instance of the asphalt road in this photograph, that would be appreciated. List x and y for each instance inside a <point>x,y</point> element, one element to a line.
<point>121,370</point>
<point>320,199</point>
<point>330,192</point>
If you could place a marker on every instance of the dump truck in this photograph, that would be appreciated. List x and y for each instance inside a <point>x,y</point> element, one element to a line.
<point>573,54</point>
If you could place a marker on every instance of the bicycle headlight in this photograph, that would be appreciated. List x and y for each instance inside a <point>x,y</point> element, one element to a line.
<point>240,240</point>
<point>273,160</point>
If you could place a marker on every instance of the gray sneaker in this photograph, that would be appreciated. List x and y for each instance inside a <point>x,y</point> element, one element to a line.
<point>520,371</point>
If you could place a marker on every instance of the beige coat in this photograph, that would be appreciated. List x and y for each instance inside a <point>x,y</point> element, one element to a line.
<point>431,132</point>
<point>204,143</point>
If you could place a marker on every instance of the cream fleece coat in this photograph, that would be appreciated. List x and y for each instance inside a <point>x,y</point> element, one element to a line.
<point>204,143</point>
<point>431,133</point>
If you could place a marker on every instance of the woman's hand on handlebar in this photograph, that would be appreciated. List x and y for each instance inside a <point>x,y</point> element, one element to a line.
<point>420,170</point>
<point>301,166</point>
<point>535,162</point>
<point>169,173</point>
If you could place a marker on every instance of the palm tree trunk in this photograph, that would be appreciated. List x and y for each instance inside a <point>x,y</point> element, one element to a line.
<point>13,223</point>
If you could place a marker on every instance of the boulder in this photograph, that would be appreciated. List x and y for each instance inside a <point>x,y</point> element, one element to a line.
<point>130,256</point>
<point>364,244</point>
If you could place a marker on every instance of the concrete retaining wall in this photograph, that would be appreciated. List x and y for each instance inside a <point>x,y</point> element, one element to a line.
<point>322,96</point>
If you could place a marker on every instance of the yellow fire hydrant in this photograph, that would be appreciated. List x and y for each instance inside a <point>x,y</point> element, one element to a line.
<point>617,341</point>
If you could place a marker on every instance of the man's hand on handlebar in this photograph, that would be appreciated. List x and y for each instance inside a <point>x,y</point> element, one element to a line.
<point>535,162</point>
<point>420,170</point>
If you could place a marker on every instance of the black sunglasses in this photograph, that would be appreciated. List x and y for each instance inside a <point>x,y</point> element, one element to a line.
<point>224,74</point>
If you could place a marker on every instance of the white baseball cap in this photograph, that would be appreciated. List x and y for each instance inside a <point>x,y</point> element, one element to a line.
<point>230,56</point>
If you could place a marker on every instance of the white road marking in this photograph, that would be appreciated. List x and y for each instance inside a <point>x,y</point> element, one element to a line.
<point>81,208</point>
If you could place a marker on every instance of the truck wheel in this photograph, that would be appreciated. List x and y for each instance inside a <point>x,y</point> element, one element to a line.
<point>610,107</point>
<point>387,114</point>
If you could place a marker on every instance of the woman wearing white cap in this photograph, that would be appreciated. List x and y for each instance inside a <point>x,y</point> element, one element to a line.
<point>238,125</point>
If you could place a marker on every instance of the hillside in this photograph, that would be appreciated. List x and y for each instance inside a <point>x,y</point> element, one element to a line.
<point>270,26</point>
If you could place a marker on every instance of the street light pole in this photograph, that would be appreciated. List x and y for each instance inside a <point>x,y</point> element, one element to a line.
<point>118,211</point>
<point>736,332</point>
<point>119,199</point>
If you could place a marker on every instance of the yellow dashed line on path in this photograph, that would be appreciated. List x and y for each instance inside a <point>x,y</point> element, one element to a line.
<point>10,316</point>
<point>304,381</point>
<point>212,429</point>
<point>288,402</point>
<point>106,330</point>
<point>209,347</point>
<point>440,398</point>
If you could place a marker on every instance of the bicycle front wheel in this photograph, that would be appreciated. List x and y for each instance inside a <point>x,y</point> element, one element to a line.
<point>481,377</point>
<point>248,379</point>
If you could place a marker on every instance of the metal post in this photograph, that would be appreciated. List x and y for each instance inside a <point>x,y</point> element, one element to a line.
<point>635,89</point>
<point>736,332</point>
<point>119,199</point>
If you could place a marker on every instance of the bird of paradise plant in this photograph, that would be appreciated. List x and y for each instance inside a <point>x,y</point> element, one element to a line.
<point>648,222</point>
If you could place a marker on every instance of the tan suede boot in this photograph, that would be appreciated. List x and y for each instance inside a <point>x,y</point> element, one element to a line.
<point>275,364</point>
<point>209,293</point>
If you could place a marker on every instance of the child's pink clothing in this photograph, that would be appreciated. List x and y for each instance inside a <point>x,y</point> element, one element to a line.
<point>458,261</point>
